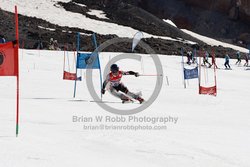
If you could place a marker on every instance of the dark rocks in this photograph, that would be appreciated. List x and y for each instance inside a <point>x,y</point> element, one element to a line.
<point>244,38</point>
<point>207,18</point>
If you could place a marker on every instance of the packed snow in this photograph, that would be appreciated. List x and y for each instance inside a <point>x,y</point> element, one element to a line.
<point>49,29</point>
<point>209,131</point>
<point>169,22</point>
<point>82,5</point>
<point>98,13</point>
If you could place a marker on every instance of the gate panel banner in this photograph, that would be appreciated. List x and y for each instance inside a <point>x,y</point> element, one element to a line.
<point>9,59</point>
<point>191,73</point>
<point>70,76</point>
<point>208,90</point>
<point>87,60</point>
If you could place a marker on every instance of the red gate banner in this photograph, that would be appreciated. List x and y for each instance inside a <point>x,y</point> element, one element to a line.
<point>9,59</point>
<point>69,76</point>
<point>208,90</point>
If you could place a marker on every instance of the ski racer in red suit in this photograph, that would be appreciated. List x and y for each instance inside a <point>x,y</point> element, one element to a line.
<point>114,78</point>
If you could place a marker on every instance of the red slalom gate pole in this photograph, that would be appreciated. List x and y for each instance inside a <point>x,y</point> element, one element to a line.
<point>17,93</point>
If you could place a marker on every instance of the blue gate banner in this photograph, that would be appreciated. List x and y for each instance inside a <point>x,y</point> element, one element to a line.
<point>87,61</point>
<point>190,73</point>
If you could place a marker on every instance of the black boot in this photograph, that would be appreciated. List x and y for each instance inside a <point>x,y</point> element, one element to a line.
<point>141,100</point>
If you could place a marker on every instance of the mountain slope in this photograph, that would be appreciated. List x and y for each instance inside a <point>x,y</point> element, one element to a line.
<point>53,19</point>
<point>216,19</point>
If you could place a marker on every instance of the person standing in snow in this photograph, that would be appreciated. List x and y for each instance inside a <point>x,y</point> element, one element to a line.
<point>205,59</point>
<point>189,57</point>
<point>214,62</point>
<point>194,57</point>
<point>51,44</point>
<point>227,58</point>
<point>56,45</point>
<point>2,39</point>
<point>114,78</point>
<point>247,56</point>
<point>237,9</point>
<point>238,58</point>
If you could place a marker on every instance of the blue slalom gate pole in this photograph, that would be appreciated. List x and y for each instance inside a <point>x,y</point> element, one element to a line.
<point>77,50</point>
<point>96,48</point>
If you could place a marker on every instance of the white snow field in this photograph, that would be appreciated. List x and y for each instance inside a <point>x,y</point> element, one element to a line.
<point>210,131</point>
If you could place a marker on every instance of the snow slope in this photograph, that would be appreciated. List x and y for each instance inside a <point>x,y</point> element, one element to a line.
<point>55,14</point>
<point>169,22</point>
<point>98,13</point>
<point>210,131</point>
<point>214,42</point>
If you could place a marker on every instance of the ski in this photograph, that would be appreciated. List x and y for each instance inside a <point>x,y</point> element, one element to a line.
<point>226,69</point>
<point>127,101</point>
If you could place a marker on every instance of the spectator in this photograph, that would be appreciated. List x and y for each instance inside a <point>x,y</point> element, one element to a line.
<point>2,39</point>
<point>237,9</point>
<point>51,44</point>
<point>56,45</point>
<point>189,57</point>
<point>205,60</point>
<point>38,44</point>
<point>227,58</point>
<point>214,61</point>
<point>247,56</point>
<point>238,58</point>
<point>194,57</point>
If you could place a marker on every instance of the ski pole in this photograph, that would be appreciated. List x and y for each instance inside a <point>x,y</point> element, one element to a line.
<point>150,75</point>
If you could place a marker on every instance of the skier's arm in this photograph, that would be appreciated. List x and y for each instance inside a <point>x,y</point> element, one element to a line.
<point>130,73</point>
<point>104,84</point>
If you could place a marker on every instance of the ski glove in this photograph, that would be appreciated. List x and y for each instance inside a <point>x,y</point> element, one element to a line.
<point>103,91</point>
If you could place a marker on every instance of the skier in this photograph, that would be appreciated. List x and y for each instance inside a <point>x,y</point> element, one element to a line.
<point>205,59</point>
<point>214,62</point>
<point>114,77</point>
<point>247,56</point>
<point>238,58</point>
<point>194,57</point>
<point>227,62</point>
<point>189,57</point>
